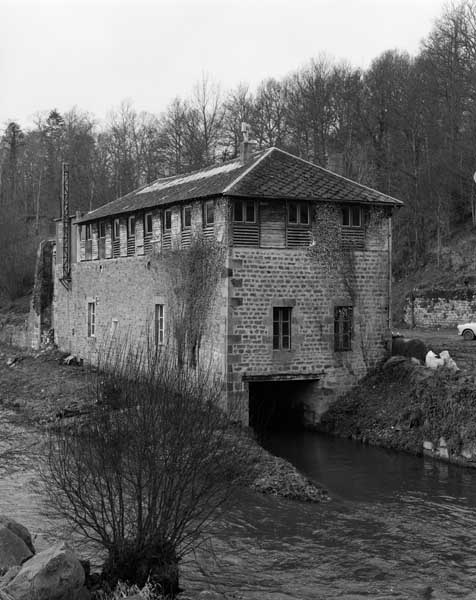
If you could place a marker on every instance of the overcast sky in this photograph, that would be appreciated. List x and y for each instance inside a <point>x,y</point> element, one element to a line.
<point>93,55</point>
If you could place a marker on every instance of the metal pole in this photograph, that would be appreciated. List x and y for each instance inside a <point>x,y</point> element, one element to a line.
<point>66,222</point>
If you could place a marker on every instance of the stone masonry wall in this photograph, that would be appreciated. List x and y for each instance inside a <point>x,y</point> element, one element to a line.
<point>440,308</point>
<point>311,281</point>
<point>125,291</point>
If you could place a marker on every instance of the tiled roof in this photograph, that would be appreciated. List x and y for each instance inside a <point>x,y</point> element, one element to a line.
<point>270,174</point>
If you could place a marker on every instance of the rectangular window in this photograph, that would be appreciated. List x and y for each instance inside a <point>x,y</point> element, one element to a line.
<point>116,229</point>
<point>282,328</point>
<point>87,233</point>
<point>244,211</point>
<point>292,212</point>
<point>298,213</point>
<point>148,223</point>
<point>159,325</point>
<point>131,226</point>
<point>352,216</point>
<point>167,220</point>
<point>304,213</point>
<point>209,212</point>
<point>102,229</point>
<point>186,217</point>
<point>343,319</point>
<point>91,319</point>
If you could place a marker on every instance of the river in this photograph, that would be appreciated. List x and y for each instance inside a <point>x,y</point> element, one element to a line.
<point>398,526</point>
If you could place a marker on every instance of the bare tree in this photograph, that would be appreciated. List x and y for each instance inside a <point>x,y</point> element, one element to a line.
<point>148,468</point>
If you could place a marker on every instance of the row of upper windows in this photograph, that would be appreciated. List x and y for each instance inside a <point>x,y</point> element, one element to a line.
<point>244,211</point>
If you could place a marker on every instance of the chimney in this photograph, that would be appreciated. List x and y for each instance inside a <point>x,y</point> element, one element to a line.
<point>245,146</point>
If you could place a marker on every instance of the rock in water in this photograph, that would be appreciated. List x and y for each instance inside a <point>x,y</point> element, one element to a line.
<point>13,550</point>
<point>19,530</point>
<point>54,574</point>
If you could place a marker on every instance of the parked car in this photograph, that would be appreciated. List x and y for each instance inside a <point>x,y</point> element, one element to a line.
<point>467,330</point>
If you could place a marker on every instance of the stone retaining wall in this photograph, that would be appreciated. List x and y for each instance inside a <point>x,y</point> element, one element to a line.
<point>440,308</point>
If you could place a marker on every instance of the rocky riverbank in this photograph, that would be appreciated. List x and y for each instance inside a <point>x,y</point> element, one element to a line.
<point>408,407</point>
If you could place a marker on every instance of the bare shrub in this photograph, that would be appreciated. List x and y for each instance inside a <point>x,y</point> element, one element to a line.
<point>146,470</point>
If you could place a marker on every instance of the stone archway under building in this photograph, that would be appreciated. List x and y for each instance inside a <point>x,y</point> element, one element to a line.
<point>281,404</point>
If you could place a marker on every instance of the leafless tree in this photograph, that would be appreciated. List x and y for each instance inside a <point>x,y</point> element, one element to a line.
<point>149,467</point>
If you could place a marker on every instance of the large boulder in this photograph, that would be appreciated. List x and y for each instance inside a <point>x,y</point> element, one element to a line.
<point>54,574</point>
<point>19,530</point>
<point>409,347</point>
<point>13,550</point>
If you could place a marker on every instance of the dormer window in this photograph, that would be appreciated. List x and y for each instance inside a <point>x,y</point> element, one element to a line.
<point>298,213</point>
<point>352,216</point>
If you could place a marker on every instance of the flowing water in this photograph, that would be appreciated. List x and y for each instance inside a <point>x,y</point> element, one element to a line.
<point>398,526</point>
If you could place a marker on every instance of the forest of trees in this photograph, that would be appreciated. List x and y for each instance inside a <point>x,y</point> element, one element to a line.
<point>406,126</point>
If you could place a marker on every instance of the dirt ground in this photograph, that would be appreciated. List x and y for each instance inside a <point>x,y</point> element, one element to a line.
<point>38,386</point>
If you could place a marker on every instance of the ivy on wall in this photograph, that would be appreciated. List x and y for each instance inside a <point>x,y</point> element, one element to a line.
<point>192,276</point>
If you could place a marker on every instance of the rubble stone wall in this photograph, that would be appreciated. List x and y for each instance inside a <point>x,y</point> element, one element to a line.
<point>312,282</point>
<point>440,308</point>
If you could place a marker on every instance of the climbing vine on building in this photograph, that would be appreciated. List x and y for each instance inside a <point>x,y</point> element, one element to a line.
<point>192,278</point>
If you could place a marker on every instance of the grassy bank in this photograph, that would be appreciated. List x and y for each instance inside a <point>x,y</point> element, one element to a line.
<point>43,390</point>
<point>403,405</point>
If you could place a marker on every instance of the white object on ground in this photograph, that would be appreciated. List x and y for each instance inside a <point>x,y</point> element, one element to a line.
<point>449,362</point>
<point>432,361</point>
<point>435,361</point>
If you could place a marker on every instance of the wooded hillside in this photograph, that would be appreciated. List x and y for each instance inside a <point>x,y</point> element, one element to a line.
<point>406,126</point>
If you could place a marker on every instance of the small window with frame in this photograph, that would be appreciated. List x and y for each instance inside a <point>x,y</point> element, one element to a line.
<point>131,226</point>
<point>159,325</point>
<point>116,229</point>
<point>87,231</point>
<point>167,219</point>
<point>282,327</point>
<point>209,213</point>
<point>102,229</point>
<point>186,217</point>
<point>244,211</point>
<point>91,319</point>
<point>298,213</point>
<point>148,223</point>
<point>343,325</point>
<point>352,216</point>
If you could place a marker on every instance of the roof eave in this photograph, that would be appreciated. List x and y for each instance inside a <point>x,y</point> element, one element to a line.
<point>91,217</point>
<point>388,201</point>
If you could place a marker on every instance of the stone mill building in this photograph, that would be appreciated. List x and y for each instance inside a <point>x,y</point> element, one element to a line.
<point>302,306</point>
